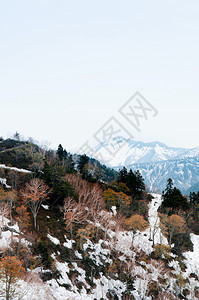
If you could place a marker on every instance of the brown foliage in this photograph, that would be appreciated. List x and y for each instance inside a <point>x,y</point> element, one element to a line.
<point>74,212</point>
<point>136,222</point>
<point>171,225</point>
<point>10,270</point>
<point>34,194</point>
<point>90,201</point>
<point>119,199</point>
<point>23,217</point>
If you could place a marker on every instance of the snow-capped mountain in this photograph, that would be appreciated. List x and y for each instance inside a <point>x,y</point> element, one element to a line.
<point>184,172</point>
<point>156,161</point>
<point>124,152</point>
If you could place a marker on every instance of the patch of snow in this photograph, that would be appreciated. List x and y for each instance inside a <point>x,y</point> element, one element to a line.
<point>69,243</point>
<point>192,258</point>
<point>45,206</point>
<point>114,210</point>
<point>78,255</point>
<point>99,255</point>
<point>14,169</point>
<point>53,239</point>
<point>104,285</point>
<point>154,221</point>
<point>3,181</point>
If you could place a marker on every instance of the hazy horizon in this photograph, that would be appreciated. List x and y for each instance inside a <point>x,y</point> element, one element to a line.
<point>67,67</point>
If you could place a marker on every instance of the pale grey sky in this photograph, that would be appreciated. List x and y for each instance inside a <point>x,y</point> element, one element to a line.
<point>66,67</point>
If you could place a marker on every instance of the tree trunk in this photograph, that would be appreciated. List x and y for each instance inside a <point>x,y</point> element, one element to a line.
<point>35,221</point>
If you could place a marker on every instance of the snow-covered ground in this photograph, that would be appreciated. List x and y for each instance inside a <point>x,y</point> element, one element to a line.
<point>144,240</point>
<point>127,245</point>
<point>4,182</point>
<point>103,285</point>
<point>154,221</point>
<point>53,239</point>
<point>192,258</point>
<point>14,169</point>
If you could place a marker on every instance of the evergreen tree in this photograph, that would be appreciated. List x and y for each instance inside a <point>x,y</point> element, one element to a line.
<point>82,163</point>
<point>65,154</point>
<point>70,166</point>
<point>60,152</point>
<point>66,160</point>
<point>133,180</point>
<point>46,173</point>
<point>194,198</point>
<point>53,177</point>
<point>123,175</point>
<point>140,186</point>
<point>172,197</point>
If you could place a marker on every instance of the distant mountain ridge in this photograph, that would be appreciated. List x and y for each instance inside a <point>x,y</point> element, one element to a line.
<point>156,161</point>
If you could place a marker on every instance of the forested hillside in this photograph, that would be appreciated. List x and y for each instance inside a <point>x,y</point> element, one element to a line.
<point>71,228</point>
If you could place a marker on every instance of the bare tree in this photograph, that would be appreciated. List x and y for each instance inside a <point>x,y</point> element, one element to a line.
<point>34,194</point>
<point>74,213</point>
<point>89,195</point>
<point>4,213</point>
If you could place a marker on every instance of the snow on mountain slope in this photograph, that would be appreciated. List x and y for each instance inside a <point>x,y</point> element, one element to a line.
<point>156,161</point>
<point>184,172</point>
<point>123,152</point>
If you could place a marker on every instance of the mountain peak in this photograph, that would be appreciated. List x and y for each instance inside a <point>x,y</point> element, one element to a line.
<point>120,151</point>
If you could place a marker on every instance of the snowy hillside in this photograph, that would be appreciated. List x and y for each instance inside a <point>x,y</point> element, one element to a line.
<point>71,237</point>
<point>134,253</point>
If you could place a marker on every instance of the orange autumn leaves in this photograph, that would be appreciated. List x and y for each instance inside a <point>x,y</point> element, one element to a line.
<point>119,199</point>
<point>122,202</point>
<point>171,225</point>
<point>11,270</point>
<point>136,222</point>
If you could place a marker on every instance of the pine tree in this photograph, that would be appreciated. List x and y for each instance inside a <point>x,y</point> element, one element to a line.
<point>172,197</point>
<point>133,180</point>
<point>123,175</point>
<point>83,161</point>
<point>140,186</point>
<point>60,152</point>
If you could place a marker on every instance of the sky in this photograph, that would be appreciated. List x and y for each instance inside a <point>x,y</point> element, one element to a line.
<point>67,67</point>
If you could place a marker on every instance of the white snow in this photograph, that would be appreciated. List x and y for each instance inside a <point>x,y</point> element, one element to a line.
<point>4,182</point>
<point>53,239</point>
<point>78,255</point>
<point>192,258</point>
<point>154,220</point>
<point>45,206</point>
<point>14,169</point>
<point>127,241</point>
<point>69,243</point>
<point>99,255</point>
<point>114,210</point>
<point>128,152</point>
